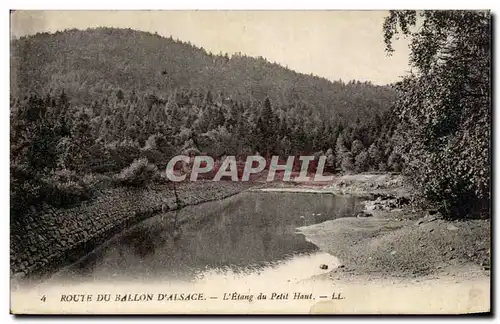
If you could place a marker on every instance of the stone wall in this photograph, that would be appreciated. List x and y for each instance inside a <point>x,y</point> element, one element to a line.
<point>46,240</point>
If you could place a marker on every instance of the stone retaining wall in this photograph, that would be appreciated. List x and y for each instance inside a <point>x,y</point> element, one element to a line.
<point>49,239</point>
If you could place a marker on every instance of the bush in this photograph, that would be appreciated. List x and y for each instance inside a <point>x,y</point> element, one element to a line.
<point>63,188</point>
<point>24,189</point>
<point>155,157</point>
<point>330,161</point>
<point>59,188</point>
<point>138,174</point>
<point>347,163</point>
<point>445,109</point>
<point>122,154</point>
<point>361,161</point>
<point>96,181</point>
<point>394,161</point>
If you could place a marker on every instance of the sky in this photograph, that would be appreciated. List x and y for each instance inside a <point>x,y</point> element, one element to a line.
<point>345,45</point>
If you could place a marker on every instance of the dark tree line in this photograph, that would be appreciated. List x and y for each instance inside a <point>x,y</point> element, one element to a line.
<point>96,63</point>
<point>444,107</point>
<point>104,107</point>
<point>56,142</point>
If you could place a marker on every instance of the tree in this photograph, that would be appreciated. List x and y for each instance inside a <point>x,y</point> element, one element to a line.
<point>347,162</point>
<point>173,113</point>
<point>330,159</point>
<point>361,161</point>
<point>374,155</point>
<point>266,124</point>
<point>119,95</point>
<point>394,161</point>
<point>444,107</point>
<point>81,141</point>
<point>284,146</point>
<point>357,147</point>
<point>340,148</point>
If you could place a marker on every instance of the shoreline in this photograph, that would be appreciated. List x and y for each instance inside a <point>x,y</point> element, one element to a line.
<point>391,241</point>
<point>381,257</point>
<point>363,184</point>
<point>394,243</point>
<point>366,246</point>
<point>31,266</point>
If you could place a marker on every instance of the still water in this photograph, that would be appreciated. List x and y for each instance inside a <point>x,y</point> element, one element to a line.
<point>250,234</point>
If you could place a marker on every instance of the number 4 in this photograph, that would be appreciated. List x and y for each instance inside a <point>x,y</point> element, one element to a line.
<point>43,298</point>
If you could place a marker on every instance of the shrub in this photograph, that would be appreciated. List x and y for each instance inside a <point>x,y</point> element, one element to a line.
<point>122,154</point>
<point>356,147</point>
<point>445,108</point>
<point>155,157</point>
<point>138,174</point>
<point>394,161</point>
<point>96,181</point>
<point>24,189</point>
<point>59,188</point>
<point>330,161</point>
<point>361,161</point>
<point>347,163</point>
<point>375,156</point>
<point>62,188</point>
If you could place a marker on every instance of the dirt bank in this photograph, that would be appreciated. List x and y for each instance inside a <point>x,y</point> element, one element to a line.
<point>391,245</point>
<point>355,184</point>
<point>392,240</point>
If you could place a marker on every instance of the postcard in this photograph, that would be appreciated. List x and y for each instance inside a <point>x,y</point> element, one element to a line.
<point>250,162</point>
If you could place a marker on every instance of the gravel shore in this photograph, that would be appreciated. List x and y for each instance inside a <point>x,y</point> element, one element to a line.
<point>393,240</point>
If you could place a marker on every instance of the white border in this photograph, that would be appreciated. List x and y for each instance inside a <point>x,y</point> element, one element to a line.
<point>255,4</point>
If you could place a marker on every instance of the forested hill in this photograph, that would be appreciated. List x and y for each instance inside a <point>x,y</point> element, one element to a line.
<point>93,63</point>
<point>119,104</point>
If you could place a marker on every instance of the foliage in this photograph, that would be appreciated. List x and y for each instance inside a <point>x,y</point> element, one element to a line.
<point>444,107</point>
<point>112,63</point>
<point>347,163</point>
<point>330,160</point>
<point>138,174</point>
<point>63,188</point>
<point>127,110</point>
<point>361,161</point>
<point>374,155</point>
<point>357,147</point>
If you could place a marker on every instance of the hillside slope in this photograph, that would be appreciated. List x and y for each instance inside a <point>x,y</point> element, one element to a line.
<point>91,63</point>
<point>87,105</point>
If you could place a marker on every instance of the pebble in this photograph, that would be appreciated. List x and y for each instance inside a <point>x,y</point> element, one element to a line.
<point>363,215</point>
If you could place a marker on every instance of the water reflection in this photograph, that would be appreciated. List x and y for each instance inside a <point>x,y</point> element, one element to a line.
<point>249,231</point>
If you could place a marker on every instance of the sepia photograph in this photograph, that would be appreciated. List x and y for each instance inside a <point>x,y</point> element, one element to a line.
<point>279,162</point>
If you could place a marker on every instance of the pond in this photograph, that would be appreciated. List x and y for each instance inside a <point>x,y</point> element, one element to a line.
<point>249,234</point>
